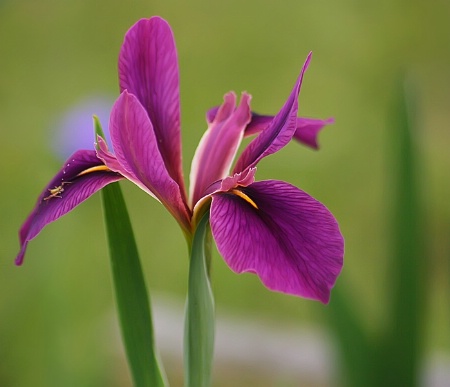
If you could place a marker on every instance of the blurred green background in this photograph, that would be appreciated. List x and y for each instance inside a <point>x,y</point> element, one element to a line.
<point>57,318</point>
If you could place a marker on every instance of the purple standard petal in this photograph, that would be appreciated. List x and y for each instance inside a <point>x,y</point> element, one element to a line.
<point>290,240</point>
<point>82,175</point>
<point>135,147</point>
<point>256,125</point>
<point>219,144</point>
<point>211,114</point>
<point>148,68</point>
<point>279,132</point>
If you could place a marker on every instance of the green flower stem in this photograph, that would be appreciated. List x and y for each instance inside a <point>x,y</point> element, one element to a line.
<point>131,294</point>
<point>199,322</point>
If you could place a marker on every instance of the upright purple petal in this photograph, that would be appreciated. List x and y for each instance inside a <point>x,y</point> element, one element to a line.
<point>211,114</point>
<point>148,68</point>
<point>219,144</point>
<point>135,147</point>
<point>290,240</point>
<point>279,132</point>
<point>82,175</point>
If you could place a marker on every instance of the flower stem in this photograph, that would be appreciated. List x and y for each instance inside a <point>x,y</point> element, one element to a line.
<point>199,319</point>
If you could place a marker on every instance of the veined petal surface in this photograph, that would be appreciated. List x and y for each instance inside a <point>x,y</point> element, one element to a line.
<point>279,132</point>
<point>148,68</point>
<point>306,131</point>
<point>67,189</point>
<point>135,147</point>
<point>291,241</point>
<point>219,144</point>
<point>113,163</point>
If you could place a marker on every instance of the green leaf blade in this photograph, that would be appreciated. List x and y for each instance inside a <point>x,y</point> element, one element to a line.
<point>357,351</point>
<point>404,341</point>
<point>131,294</point>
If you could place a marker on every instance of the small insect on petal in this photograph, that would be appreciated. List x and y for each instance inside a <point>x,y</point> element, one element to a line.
<point>57,191</point>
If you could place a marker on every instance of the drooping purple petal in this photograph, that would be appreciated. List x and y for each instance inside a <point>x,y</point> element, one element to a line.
<point>306,130</point>
<point>279,132</point>
<point>219,144</point>
<point>291,241</point>
<point>82,175</point>
<point>135,147</point>
<point>148,68</point>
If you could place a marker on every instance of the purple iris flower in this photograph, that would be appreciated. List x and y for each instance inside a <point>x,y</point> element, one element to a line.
<point>270,228</point>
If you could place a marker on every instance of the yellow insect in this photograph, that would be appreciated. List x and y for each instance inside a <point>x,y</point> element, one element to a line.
<point>57,191</point>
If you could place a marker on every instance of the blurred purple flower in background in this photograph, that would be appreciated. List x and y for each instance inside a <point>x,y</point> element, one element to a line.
<point>73,129</point>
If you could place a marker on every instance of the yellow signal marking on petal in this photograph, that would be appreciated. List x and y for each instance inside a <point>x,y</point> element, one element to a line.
<point>244,196</point>
<point>98,168</point>
<point>58,190</point>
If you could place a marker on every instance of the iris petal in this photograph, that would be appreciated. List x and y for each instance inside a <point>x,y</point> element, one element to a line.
<point>306,131</point>
<point>136,149</point>
<point>148,68</point>
<point>112,163</point>
<point>67,189</point>
<point>279,132</point>
<point>291,241</point>
<point>219,144</point>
